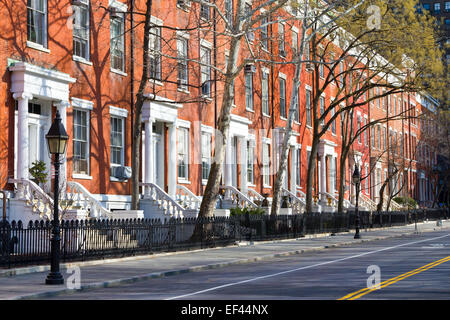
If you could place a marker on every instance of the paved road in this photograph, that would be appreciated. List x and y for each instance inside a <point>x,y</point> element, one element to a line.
<point>330,274</point>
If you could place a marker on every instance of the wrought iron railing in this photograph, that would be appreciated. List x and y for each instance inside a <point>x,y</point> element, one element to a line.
<point>30,244</point>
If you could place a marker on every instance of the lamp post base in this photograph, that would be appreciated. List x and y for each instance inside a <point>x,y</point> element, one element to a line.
<point>54,278</point>
<point>357,236</point>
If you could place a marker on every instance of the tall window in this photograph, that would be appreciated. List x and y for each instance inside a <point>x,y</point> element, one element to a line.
<point>333,124</point>
<point>206,155</point>
<point>155,53</point>
<point>81,30</point>
<point>182,52</point>
<point>297,166</point>
<point>117,43</point>
<point>281,40</point>
<point>282,98</point>
<point>264,33</point>
<point>295,42</point>
<point>322,68</point>
<point>297,107</point>
<point>204,11</point>
<point>250,161</point>
<point>80,141</point>
<point>229,11</point>
<point>183,152</point>
<point>37,21</point>
<point>265,92</point>
<point>358,128</point>
<point>308,107</point>
<point>322,109</point>
<point>205,54</point>
<point>366,141</point>
<point>447,6</point>
<point>249,91</point>
<point>117,140</point>
<point>437,8</point>
<point>266,164</point>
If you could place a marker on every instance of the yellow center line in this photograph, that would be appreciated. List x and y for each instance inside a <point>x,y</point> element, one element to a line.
<point>364,291</point>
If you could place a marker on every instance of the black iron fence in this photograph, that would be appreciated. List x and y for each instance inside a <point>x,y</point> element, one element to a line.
<point>22,245</point>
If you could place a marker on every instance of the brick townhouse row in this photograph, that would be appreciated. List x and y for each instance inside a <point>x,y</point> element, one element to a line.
<point>84,58</point>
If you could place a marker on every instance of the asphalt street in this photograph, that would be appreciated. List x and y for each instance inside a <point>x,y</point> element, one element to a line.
<point>410,267</point>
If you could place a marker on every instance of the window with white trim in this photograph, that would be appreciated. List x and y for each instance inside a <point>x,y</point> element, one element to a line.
<point>229,11</point>
<point>117,140</point>
<point>308,107</point>
<point>266,164</point>
<point>118,42</point>
<point>265,33</point>
<point>250,161</point>
<point>265,92</point>
<point>155,53</point>
<point>183,153</point>
<point>182,76</point>
<point>37,21</point>
<point>249,91</point>
<point>282,97</point>
<point>205,68</point>
<point>281,40</point>
<point>81,29</point>
<point>206,154</point>
<point>204,11</point>
<point>297,166</point>
<point>80,141</point>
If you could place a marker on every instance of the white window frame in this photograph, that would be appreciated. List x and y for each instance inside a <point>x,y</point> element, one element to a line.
<point>266,163</point>
<point>185,144</point>
<point>182,56</point>
<point>83,39</point>
<point>43,29</point>
<point>83,106</point>
<point>118,40</point>
<point>265,93</point>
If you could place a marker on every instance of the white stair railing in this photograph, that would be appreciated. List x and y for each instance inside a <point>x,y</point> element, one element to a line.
<point>80,196</point>
<point>298,204</point>
<point>39,201</point>
<point>254,196</point>
<point>237,197</point>
<point>366,202</point>
<point>393,206</point>
<point>165,202</point>
<point>187,198</point>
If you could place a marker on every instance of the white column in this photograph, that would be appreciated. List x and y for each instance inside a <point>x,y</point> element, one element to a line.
<point>22,134</point>
<point>148,152</point>
<point>243,142</point>
<point>172,161</point>
<point>293,170</point>
<point>323,169</point>
<point>332,183</point>
<point>228,163</point>
<point>62,108</point>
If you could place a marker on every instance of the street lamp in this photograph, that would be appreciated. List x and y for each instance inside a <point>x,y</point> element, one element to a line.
<point>57,142</point>
<point>356,178</point>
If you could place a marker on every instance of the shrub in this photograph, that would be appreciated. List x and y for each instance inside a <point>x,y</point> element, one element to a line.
<point>406,201</point>
<point>242,211</point>
<point>38,173</point>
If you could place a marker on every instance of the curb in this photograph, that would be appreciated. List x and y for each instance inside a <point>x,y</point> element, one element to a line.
<point>115,282</point>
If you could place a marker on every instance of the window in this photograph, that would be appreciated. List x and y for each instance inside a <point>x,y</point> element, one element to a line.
<point>366,142</point>
<point>117,141</point>
<point>37,21</point>
<point>248,11</point>
<point>308,107</point>
<point>182,51</point>
<point>250,161</point>
<point>297,108</point>
<point>321,67</point>
<point>294,42</point>
<point>426,6</point>
<point>117,43</point>
<point>282,98</point>
<point>249,91</point>
<point>155,53</point>
<point>229,11</point>
<point>205,71</point>
<point>264,33</point>
<point>206,155</point>
<point>437,8</point>
<point>379,138</point>
<point>281,40</point>
<point>266,164</point>
<point>81,30</point>
<point>265,92</point>
<point>297,166</point>
<point>358,125</point>
<point>341,72</point>
<point>204,11</point>
<point>81,141</point>
<point>333,124</point>
<point>322,109</point>
<point>183,152</point>
<point>447,6</point>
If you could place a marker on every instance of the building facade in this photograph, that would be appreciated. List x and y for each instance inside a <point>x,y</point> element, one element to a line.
<point>84,58</point>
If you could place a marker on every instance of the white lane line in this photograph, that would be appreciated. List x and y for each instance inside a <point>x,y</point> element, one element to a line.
<point>302,268</point>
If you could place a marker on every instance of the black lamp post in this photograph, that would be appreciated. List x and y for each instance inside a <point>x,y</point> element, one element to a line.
<point>356,178</point>
<point>57,141</point>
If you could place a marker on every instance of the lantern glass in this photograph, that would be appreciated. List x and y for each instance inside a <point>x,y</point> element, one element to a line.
<point>356,176</point>
<point>57,145</point>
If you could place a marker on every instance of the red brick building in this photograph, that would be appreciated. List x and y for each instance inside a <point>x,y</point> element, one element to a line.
<point>84,58</point>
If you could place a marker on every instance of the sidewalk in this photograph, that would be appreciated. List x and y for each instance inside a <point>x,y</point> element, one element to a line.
<point>29,282</point>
